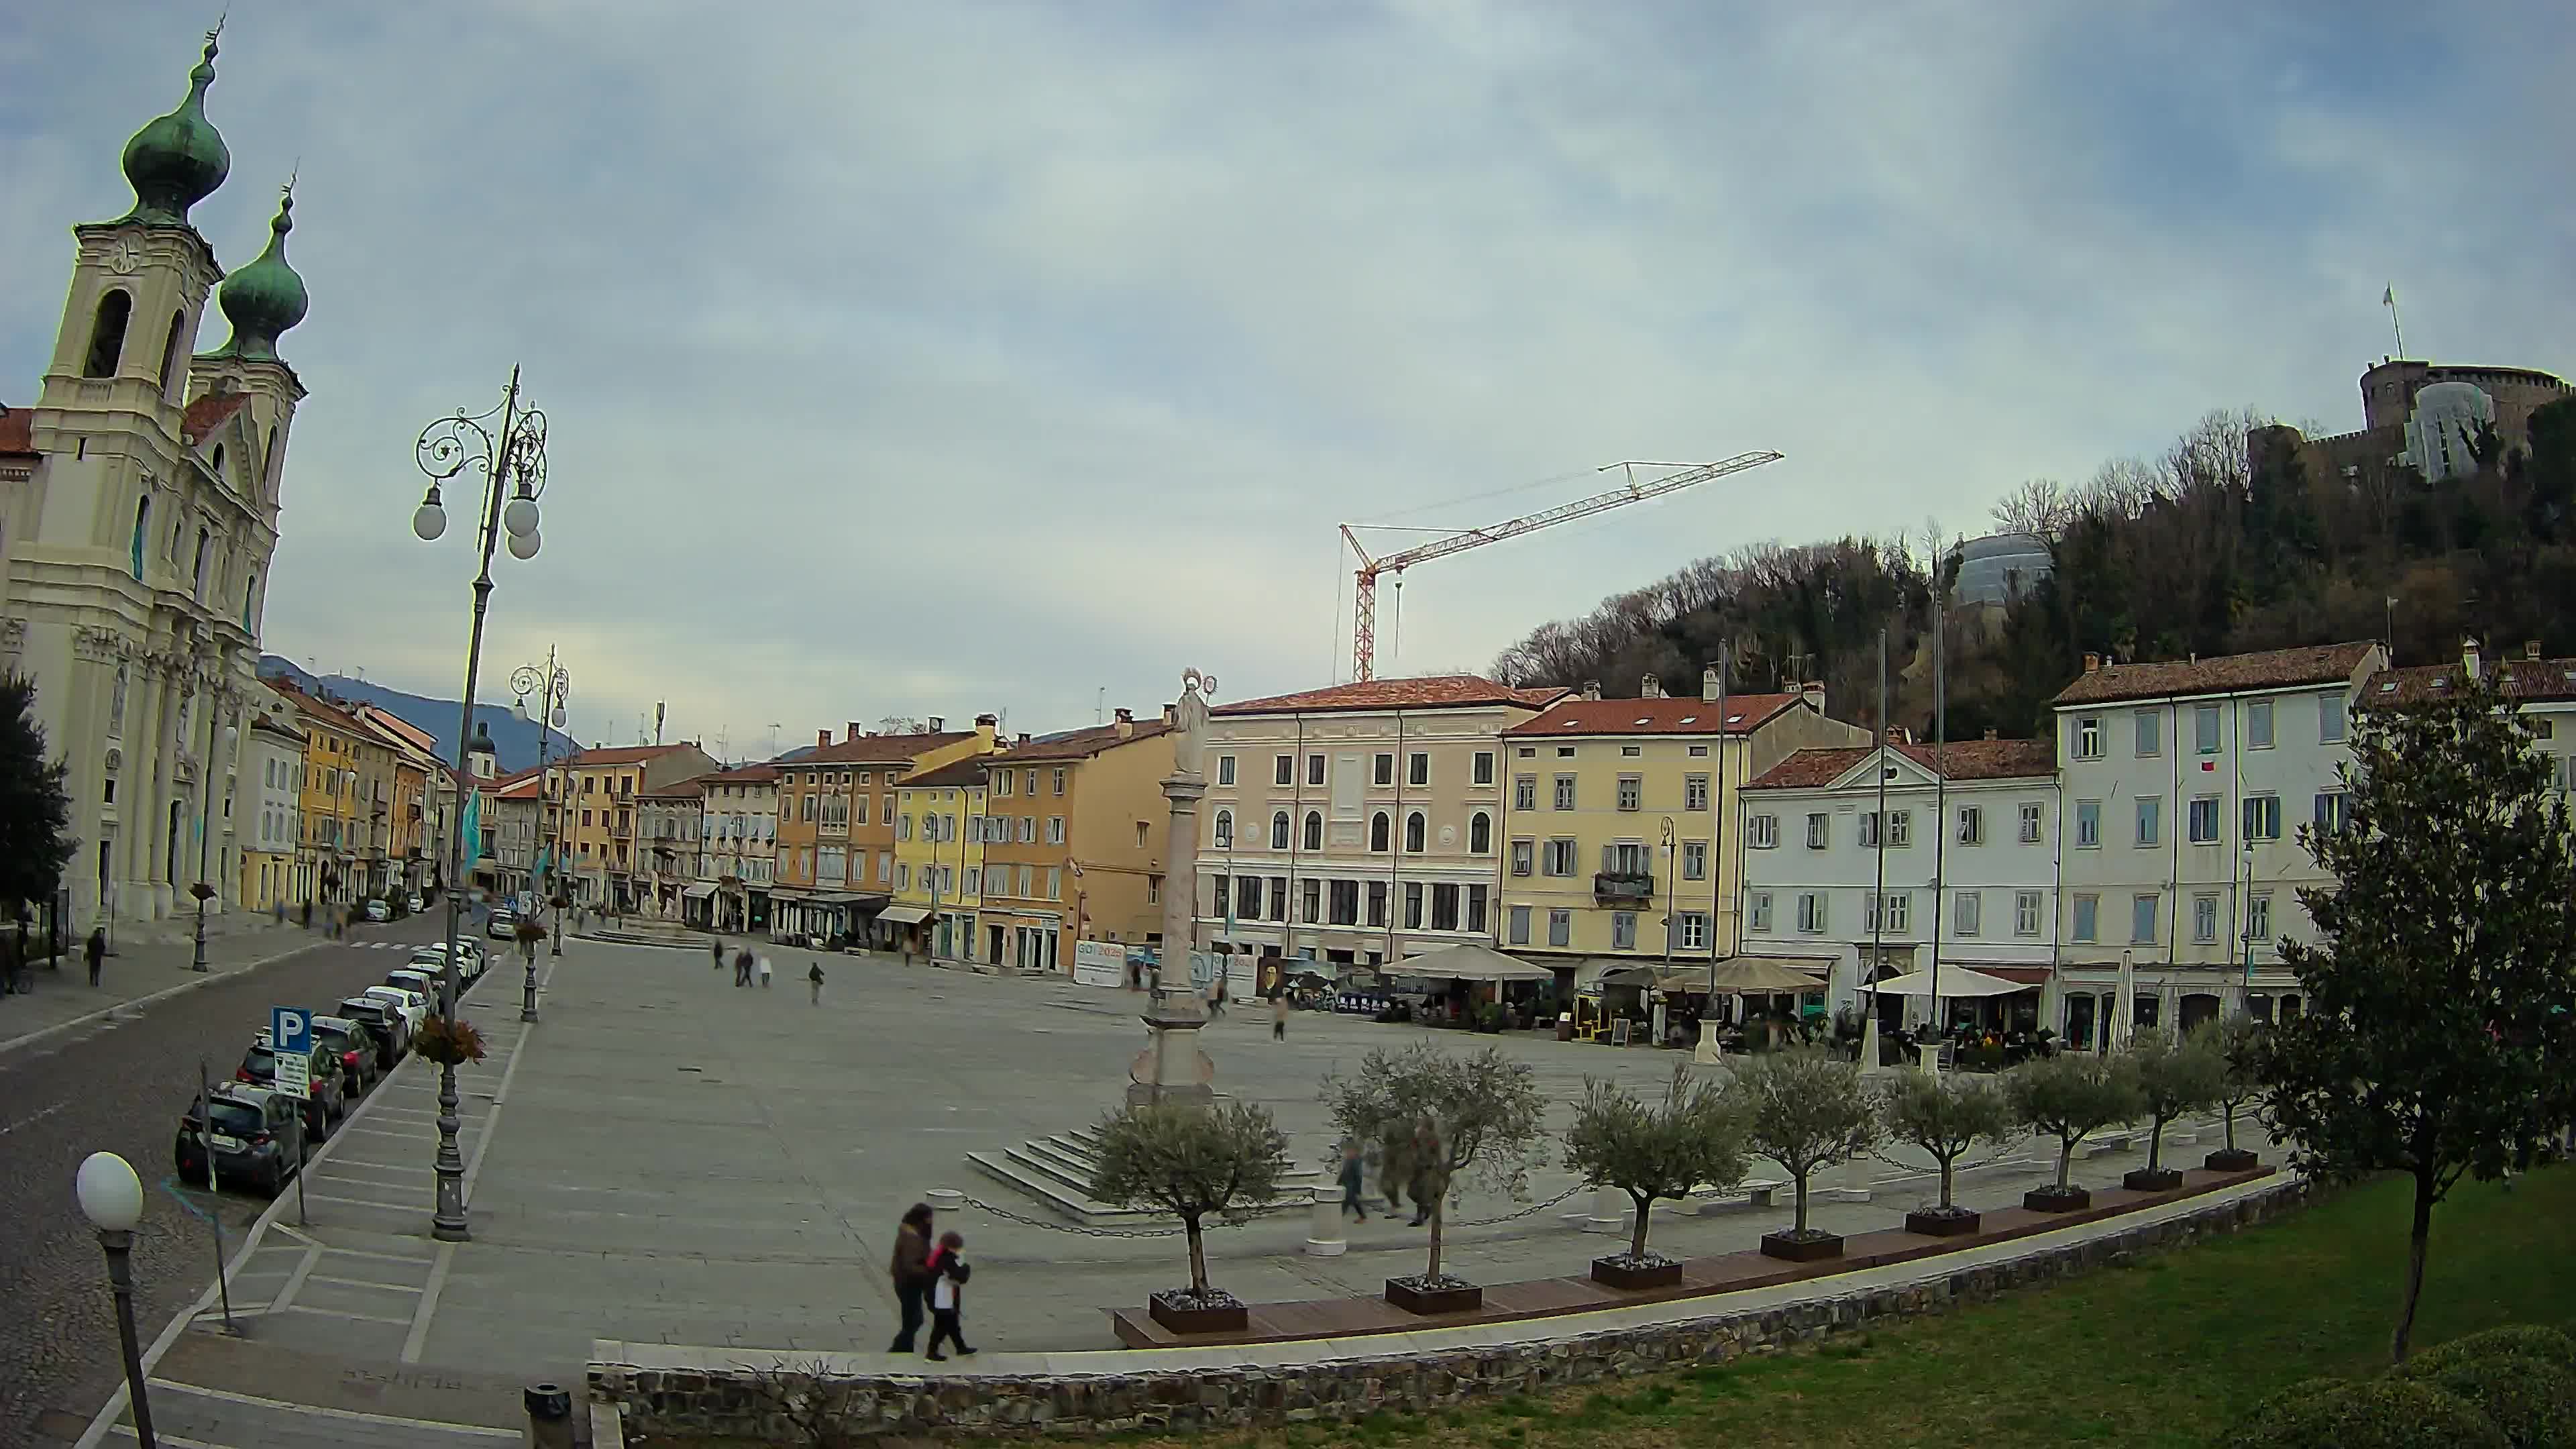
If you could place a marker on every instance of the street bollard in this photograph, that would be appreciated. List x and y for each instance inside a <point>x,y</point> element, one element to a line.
<point>549,1417</point>
<point>1324,1234</point>
<point>1610,1209</point>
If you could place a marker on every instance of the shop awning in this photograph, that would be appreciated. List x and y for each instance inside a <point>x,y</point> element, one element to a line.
<point>905,915</point>
<point>1761,975</point>
<point>845,898</point>
<point>1470,962</point>
<point>698,892</point>
<point>1955,981</point>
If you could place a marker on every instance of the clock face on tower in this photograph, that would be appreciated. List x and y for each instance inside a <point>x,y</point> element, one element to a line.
<point>125,256</point>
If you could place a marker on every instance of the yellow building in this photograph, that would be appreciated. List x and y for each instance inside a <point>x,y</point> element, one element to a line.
<point>939,857</point>
<point>1619,821</point>
<point>413,860</point>
<point>331,819</point>
<point>1075,827</point>
<point>596,791</point>
<point>836,809</point>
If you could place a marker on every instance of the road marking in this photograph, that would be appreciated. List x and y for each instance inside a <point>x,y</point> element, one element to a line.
<point>368,1202</point>
<point>483,1141</point>
<point>381,1257</point>
<point>295,1280</point>
<point>336,1313</point>
<point>33,1118</point>
<point>171,1439</point>
<point>325,1411</point>
<point>365,1283</point>
<point>427,1308</point>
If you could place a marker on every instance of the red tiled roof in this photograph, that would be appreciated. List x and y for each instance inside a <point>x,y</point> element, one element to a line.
<point>1435,691</point>
<point>2271,669</point>
<point>1573,716</point>
<point>328,713</point>
<point>677,789</point>
<point>208,413</point>
<point>875,749</point>
<point>1959,760</point>
<point>522,786</point>
<point>620,755</point>
<point>17,430</point>
<point>968,773</point>
<point>746,775</point>
<point>2523,679</point>
<point>1080,744</point>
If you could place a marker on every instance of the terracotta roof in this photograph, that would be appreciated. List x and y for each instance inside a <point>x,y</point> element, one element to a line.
<point>278,727</point>
<point>2271,669</point>
<point>875,749</point>
<point>1575,716</point>
<point>2534,679</point>
<point>522,786</point>
<point>1435,691</point>
<point>620,755</point>
<point>17,430</point>
<point>208,413</point>
<point>956,773</point>
<point>1079,744</point>
<point>746,775</point>
<point>695,785</point>
<point>1959,760</point>
<point>329,714</point>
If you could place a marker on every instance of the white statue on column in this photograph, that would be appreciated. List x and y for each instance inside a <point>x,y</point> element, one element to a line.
<point>1172,1068</point>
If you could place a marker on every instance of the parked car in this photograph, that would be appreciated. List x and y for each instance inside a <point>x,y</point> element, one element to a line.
<point>386,1021</point>
<point>411,903</point>
<point>249,1133</point>
<point>356,1047</point>
<point>412,1004</point>
<point>327,1101</point>
<point>503,925</point>
<point>469,955</point>
<point>422,982</point>
<point>377,910</point>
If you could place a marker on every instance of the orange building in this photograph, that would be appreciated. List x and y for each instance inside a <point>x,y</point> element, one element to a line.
<point>1074,830</point>
<point>835,854</point>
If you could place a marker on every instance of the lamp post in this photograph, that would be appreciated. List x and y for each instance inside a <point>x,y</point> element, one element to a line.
<point>516,458</point>
<point>111,1197</point>
<point>203,891</point>
<point>553,686</point>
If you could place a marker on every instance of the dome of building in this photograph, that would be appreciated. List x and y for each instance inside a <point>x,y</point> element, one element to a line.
<point>264,299</point>
<point>179,159</point>
<point>1999,567</point>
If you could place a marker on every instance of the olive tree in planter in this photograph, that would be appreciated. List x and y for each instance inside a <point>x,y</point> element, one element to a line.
<point>1192,1162</point>
<point>2070,1097</point>
<point>2238,1043</point>
<point>1946,1116</point>
<point>1806,1111</point>
<point>2174,1075</point>
<point>1435,1117</point>
<point>1652,1152</point>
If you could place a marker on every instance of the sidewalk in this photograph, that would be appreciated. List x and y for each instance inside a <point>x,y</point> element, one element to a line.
<point>137,970</point>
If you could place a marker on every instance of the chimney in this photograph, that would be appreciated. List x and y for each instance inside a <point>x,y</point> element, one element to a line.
<point>1813,692</point>
<point>1709,685</point>
<point>1592,689</point>
<point>2092,662</point>
<point>1650,687</point>
<point>1024,737</point>
<point>822,738</point>
<point>2469,656</point>
<point>1126,723</point>
<point>1896,734</point>
<point>855,731</point>
<point>1990,733</point>
<point>2530,648</point>
<point>1172,716</point>
<point>987,726</point>
<point>938,724</point>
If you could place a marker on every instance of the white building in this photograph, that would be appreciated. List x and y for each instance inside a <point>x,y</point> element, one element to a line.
<point>740,834</point>
<point>272,808</point>
<point>2185,784</point>
<point>1964,866</point>
<point>138,513</point>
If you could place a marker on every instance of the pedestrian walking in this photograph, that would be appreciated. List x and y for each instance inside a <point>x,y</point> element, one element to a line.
<point>948,1273</point>
<point>718,949</point>
<point>279,911</point>
<point>1354,1170</point>
<point>308,913</point>
<point>814,981</point>
<point>910,1270</point>
<point>1216,997</point>
<point>1279,1015</point>
<point>742,967</point>
<point>762,965</point>
<point>95,949</point>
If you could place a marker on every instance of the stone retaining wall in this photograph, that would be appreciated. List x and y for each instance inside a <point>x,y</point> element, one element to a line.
<point>728,1395</point>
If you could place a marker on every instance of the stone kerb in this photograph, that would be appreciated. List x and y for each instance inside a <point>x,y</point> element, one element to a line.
<point>679,1391</point>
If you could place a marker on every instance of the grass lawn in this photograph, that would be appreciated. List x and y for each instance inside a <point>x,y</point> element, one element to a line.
<point>2169,1351</point>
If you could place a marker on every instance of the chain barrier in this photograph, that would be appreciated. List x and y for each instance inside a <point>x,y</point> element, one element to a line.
<point>1089,1232</point>
<point>1535,1207</point>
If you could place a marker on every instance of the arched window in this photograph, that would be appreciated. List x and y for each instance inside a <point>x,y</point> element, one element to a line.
<point>170,347</point>
<point>1480,833</point>
<point>1279,830</point>
<point>268,461</point>
<point>217,466</point>
<point>142,518</point>
<point>1378,828</point>
<point>1413,828</point>
<point>107,334</point>
<point>204,539</point>
<point>1314,830</point>
<point>1225,830</point>
<point>250,600</point>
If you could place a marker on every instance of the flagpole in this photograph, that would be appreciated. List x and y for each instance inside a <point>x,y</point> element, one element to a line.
<point>2388,299</point>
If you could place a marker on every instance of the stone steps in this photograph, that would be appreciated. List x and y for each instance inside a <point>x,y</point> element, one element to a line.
<point>1057,1171</point>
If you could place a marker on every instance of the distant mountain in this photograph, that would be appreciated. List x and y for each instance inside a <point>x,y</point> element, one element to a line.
<point>514,740</point>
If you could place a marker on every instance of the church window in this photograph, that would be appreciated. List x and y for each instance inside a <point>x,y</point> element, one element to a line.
<point>142,517</point>
<point>204,539</point>
<point>170,347</point>
<point>218,468</point>
<point>107,334</point>
<point>116,704</point>
<point>250,600</point>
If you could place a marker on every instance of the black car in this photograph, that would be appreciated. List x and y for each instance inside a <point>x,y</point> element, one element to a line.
<point>392,1034</point>
<point>355,1048</point>
<point>327,1101</point>
<point>252,1139</point>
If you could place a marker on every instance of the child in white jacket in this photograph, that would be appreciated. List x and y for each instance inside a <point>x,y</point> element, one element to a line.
<point>949,1271</point>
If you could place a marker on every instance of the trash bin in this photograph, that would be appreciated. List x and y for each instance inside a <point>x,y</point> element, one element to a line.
<point>1565,1026</point>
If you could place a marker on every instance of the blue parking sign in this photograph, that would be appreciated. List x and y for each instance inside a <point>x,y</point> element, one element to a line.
<point>290,1030</point>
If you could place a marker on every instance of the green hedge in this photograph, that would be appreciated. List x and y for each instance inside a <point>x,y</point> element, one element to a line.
<point>2532,1401</point>
<point>2373,1414</point>
<point>2528,1340</point>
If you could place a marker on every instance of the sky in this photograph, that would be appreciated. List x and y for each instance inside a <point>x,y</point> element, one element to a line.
<point>934,359</point>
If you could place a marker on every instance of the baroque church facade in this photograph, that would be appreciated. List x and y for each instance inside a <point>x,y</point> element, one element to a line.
<point>138,515</point>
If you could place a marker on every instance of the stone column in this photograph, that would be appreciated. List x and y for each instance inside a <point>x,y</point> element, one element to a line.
<point>1172,1068</point>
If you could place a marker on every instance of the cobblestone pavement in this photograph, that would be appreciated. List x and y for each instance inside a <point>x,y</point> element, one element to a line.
<point>119,1082</point>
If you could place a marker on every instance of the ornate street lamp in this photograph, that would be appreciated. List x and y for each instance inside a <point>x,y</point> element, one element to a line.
<point>553,685</point>
<point>111,1197</point>
<point>513,465</point>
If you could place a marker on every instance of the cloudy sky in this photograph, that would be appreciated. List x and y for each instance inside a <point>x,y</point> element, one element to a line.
<point>933,358</point>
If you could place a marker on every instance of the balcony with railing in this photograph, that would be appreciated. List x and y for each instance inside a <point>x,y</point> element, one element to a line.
<point>1620,885</point>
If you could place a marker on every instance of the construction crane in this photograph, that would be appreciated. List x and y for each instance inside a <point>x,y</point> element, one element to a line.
<point>1364,607</point>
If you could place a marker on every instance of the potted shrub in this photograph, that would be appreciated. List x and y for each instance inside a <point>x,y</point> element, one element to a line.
<point>2238,1041</point>
<point>448,1043</point>
<point>1434,1117</point>
<point>2173,1076</point>
<point>2070,1097</point>
<point>1804,1110</point>
<point>1947,1115</point>
<point>1653,1152</point>
<point>1191,1161</point>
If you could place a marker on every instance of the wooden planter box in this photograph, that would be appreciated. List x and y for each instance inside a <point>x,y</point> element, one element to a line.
<point>1229,1317</point>
<point>2053,1200</point>
<point>1617,1272</point>
<point>2231,1159</point>
<point>1933,1223</point>
<point>1801,1250</point>
<point>1465,1298</point>
<point>2157,1179</point>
